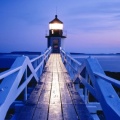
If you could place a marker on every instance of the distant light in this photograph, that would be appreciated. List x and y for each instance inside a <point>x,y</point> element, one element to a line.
<point>57,26</point>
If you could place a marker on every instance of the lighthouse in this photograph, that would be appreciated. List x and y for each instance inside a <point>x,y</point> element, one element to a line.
<point>55,38</point>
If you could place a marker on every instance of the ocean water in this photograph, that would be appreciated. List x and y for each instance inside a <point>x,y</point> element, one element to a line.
<point>6,60</point>
<point>108,62</point>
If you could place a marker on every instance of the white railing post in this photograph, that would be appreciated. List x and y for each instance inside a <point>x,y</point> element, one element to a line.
<point>25,90</point>
<point>86,90</point>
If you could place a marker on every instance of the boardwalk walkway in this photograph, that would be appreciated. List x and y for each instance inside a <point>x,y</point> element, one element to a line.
<point>55,97</point>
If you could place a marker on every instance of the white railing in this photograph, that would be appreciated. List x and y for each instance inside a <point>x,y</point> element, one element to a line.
<point>90,79</point>
<point>10,80</point>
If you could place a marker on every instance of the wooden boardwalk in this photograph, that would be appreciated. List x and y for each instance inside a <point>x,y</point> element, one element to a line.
<point>54,97</point>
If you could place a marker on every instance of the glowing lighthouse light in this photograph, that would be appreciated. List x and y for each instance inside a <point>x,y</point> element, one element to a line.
<point>56,24</point>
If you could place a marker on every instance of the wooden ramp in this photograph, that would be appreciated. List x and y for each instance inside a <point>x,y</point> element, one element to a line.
<point>54,97</point>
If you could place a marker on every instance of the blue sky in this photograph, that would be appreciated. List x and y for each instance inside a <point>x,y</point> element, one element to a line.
<point>92,26</point>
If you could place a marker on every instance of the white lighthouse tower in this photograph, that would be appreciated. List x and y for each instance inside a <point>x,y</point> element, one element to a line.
<point>55,37</point>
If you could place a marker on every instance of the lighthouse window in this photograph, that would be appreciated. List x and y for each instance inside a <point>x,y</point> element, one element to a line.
<point>52,32</point>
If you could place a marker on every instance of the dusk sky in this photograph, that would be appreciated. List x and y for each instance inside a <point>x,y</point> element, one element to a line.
<point>93,26</point>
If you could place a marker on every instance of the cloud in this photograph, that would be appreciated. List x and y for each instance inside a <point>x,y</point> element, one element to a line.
<point>95,15</point>
<point>93,7</point>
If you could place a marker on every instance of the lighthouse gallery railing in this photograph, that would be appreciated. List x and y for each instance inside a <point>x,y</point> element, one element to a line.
<point>12,83</point>
<point>94,81</point>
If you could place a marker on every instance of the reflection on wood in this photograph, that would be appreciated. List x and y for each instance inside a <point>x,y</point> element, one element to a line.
<point>55,97</point>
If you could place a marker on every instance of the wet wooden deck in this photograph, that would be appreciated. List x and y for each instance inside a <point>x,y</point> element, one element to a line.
<point>55,97</point>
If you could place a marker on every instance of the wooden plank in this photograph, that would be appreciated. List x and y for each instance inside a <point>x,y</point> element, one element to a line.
<point>44,97</point>
<point>55,93</point>
<point>69,112</point>
<point>49,77</point>
<point>62,66</point>
<point>65,95</point>
<point>55,112</point>
<point>61,77</point>
<point>41,112</point>
<point>67,77</point>
<point>47,86</point>
<point>65,98</point>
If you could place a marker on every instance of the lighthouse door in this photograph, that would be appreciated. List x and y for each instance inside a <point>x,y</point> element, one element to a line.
<point>56,48</point>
